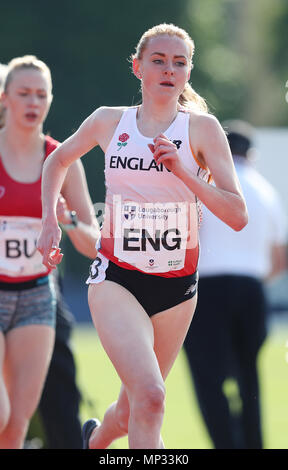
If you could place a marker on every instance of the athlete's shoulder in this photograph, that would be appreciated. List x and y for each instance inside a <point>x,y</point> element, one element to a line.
<point>205,128</point>
<point>204,121</point>
<point>109,113</point>
<point>104,122</point>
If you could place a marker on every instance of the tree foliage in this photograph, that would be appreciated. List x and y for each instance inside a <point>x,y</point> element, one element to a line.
<point>240,59</point>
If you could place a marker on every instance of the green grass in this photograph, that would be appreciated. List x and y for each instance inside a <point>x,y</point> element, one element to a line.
<point>183,427</point>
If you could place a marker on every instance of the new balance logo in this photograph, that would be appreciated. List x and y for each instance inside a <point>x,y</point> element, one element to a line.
<point>190,289</point>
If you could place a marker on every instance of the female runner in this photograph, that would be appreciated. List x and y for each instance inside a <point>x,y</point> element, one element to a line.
<point>27,294</point>
<point>143,283</point>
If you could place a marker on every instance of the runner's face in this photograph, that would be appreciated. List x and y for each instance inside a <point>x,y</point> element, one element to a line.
<point>164,67</point>
<point>28,98</point>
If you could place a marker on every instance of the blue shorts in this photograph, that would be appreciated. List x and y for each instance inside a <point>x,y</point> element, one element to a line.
<point>28,303</point>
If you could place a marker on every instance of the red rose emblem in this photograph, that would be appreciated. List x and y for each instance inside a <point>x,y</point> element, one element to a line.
<point>123,140</point>
<point>123,137</point>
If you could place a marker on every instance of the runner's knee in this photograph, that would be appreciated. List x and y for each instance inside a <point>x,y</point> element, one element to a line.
<point>149,401</point>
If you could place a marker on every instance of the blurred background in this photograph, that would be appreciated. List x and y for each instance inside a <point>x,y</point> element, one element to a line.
<point>240,68</point>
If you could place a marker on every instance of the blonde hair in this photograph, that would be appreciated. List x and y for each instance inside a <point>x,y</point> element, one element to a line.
<point>188,98</point>
<point>19,63</point>
<point>26,62</point>
<point>3,72</point>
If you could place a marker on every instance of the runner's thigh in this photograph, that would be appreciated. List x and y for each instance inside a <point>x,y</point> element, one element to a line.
<point>28,353</point>
<point>126,333</point>
<point>170,329</point>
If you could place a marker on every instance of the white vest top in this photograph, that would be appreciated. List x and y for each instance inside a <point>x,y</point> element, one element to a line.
<point>151,217</point>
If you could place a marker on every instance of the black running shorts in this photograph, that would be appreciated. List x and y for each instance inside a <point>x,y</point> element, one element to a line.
<point>154,293</point>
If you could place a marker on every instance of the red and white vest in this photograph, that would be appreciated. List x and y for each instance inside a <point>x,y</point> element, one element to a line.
<point>20,224</point>
<point>151,217</point>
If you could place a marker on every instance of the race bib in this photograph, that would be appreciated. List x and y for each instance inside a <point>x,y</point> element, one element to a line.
<point>151,236</point>
<point>18,253</point>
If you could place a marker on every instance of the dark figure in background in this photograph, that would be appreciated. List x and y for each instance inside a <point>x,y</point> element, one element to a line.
<point>61,398</point>
<point>229,325</point>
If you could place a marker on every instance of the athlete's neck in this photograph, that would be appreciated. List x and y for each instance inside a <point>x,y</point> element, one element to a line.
<point>152,119</point>
<point>20,142</point>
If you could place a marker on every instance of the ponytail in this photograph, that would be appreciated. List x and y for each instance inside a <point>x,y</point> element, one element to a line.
<point>191,100</point>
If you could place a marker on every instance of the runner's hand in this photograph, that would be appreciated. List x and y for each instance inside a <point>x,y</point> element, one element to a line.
<point>164,151</point>
<point>48,244</point>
